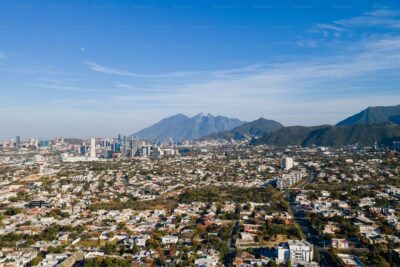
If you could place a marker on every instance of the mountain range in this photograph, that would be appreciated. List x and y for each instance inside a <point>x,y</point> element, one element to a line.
<point>372,125</point>
<point>181,127</point>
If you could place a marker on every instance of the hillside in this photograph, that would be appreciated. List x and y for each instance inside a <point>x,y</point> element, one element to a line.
<point>327,135</point>
<point>252,129</point>
<point>373,115</point>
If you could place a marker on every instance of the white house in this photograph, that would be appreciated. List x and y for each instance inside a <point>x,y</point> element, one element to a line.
<point>140,241</point>
<point>206,261</point>
<point>169,239</point>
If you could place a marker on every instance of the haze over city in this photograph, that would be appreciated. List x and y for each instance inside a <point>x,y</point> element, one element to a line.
<point>100,67</point>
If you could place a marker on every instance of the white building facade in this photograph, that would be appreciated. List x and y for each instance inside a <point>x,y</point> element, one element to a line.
<point>286,180</point>
<point>287,163</point>
<point>92,148</point>
<point>295,251</point>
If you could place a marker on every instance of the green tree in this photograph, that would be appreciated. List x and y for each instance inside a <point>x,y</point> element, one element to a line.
<point>35,261</point>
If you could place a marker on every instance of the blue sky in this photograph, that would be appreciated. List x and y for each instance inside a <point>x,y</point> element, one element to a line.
<point>95,68</point>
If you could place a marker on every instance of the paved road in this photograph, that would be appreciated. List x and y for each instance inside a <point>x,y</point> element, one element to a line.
<point>232,244</point>
<point>232,241</point>
<point>310,234</point>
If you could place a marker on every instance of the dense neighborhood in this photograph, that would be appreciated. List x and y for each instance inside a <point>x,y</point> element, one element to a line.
<point>211,203</point>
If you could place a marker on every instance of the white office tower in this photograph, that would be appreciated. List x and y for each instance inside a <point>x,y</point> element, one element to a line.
<point>287,163</point>
<point>92,148</point>
<point>31,141</point>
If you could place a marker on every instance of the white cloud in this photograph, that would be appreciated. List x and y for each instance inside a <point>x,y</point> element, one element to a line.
<point>103,69</point>
<point>66,87</point>
<point>385,17</point>
<point>383,12</point>
<point>327,29</point>
<point>58,80</point>
<point>314,91</point>
<point>286,91</point>
<point>127,86</point>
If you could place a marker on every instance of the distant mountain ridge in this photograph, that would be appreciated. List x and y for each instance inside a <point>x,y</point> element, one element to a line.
<point>181,127</point>
<point>327,135</point>
<point>248,130</point>
<point>373,115</point>
<point>372,125</point>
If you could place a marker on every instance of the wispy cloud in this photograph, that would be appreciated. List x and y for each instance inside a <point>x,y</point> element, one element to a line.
<point>127,86</point>
<point>383,17</point>
<point>139,90</point>
<point>237,71</point>
<point>260,86</point>
<point>103,69</point>
<point>336,84</point>
<point>327,29</point>
<point>66,87</point>
<point>57,80</point>
<point>284,88</point>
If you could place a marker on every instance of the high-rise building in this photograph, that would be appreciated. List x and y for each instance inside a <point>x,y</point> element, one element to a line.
<point>18,140</point>
<point>287,180</point>
<point>44,143</point>
<point>82,149</point>
<point>32,141</point>
<point>105,143</point>
<point>287,163</point>
<point>92,148</point>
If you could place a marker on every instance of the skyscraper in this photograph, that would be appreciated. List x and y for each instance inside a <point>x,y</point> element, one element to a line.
<point>44,143</point>
<point>18,140</point>
<point>92,148</point>
<point>287,163</point>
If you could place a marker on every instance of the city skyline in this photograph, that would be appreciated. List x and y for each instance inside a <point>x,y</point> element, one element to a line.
<point>104,67</point>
